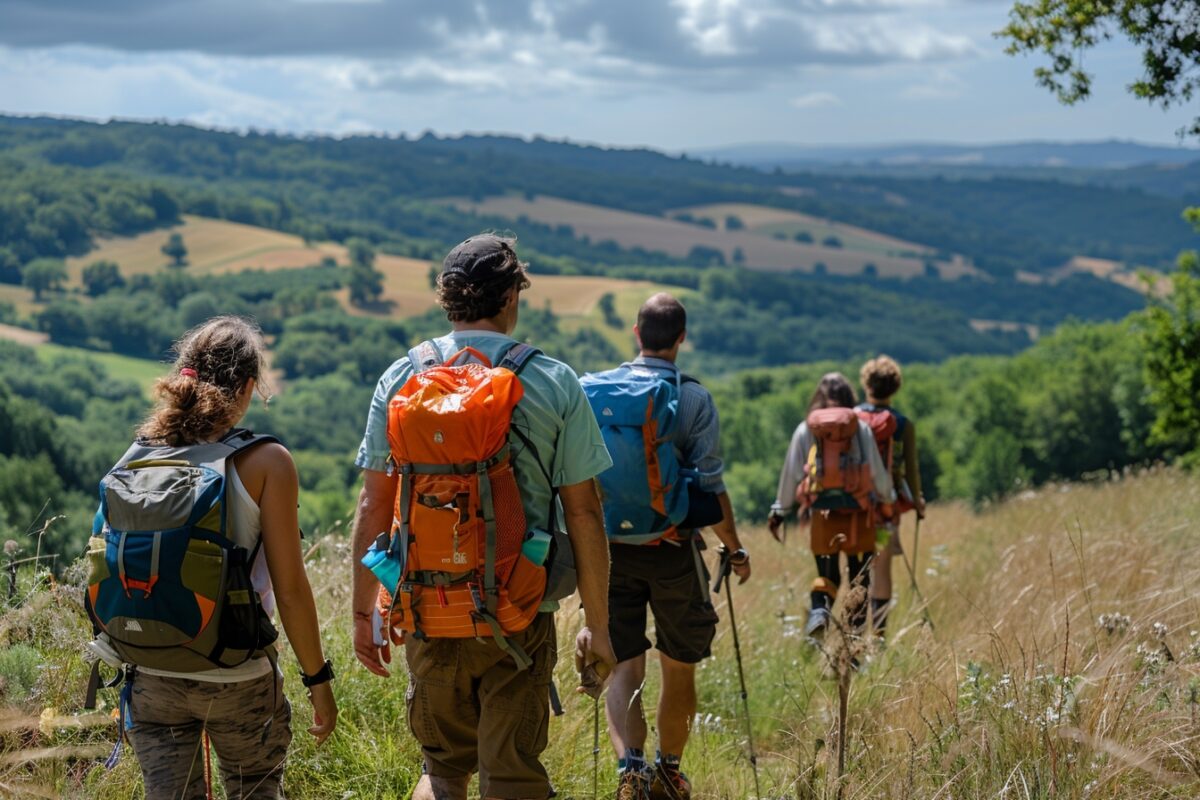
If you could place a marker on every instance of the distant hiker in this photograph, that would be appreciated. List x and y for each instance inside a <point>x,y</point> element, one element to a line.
<point>881,380</point>
<point>195,545</point>
<point>834,475</point>
<point>471,441</point>
<point>662,430</point>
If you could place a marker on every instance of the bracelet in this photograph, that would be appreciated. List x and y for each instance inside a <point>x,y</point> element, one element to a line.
<point>323,675</point>
<point>739,557</point>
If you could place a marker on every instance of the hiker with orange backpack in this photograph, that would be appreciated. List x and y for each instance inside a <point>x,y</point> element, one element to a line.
<point>662,430</point>
<point>472,441</point>
<point>194,546</point>
<point>834,476</point>
<point>896,436</point>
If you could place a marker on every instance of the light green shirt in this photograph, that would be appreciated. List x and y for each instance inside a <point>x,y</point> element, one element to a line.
<point>553,414</point>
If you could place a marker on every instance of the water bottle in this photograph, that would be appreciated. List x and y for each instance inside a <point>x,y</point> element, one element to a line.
<point>383,564</point>
<point>536,547</point>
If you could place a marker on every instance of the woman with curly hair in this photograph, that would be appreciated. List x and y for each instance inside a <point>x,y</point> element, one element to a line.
<point>241,709</point>
<point>881,379</point>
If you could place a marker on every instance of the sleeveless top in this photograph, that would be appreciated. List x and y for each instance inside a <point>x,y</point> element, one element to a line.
<point>245,527</point>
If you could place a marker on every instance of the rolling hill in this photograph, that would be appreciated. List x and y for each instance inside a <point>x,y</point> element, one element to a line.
<point>757,251</point>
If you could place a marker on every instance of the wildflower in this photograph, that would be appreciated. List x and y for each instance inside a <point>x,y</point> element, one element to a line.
<point>1159,630</point>
<point>1114,623</point>
<point>11,547</point>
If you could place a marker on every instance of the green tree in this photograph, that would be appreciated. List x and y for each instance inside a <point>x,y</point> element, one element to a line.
<point>43,275</point>
<point>10,266</point>
<point>994,469</point>
<point>176,250</point>
<point>65,321</point>
<point>608,307</point>
<point>101,277</point>
<point>1065,31</point>
<point>804,237</point>
<point>831,241</point>
<point>734,223</point>
<point>360,252</point>
<point>1171,338</point>
<point>365,284</point>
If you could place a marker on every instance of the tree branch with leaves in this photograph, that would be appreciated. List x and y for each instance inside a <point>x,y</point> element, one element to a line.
<point>1166,31</point>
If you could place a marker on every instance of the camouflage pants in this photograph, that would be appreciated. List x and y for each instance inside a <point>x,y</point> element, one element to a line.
<point>171,714</point>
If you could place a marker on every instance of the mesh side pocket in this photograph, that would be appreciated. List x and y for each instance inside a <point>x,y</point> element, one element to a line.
<point>510,520</point>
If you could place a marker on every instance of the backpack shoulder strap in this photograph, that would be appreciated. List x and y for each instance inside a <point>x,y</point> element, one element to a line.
<point>518,356</point>
<point>685,378</point>
<point>425,356</point>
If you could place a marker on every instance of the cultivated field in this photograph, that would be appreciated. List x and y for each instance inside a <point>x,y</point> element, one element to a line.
<point>676,238</point>
<point>1064,663</point>
<point>214,246</point>
<point>771,221</point>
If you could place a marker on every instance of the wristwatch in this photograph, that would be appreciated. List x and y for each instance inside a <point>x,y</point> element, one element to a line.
<point>739,556</point>
<point>323,675</point>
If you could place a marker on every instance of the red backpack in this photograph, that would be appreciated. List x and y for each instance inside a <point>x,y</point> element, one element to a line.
<point>885,425</point>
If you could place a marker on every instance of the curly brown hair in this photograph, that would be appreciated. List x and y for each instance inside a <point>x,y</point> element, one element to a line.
<point>467,300</point>
<point>880,377</point>
<point>198,399</point>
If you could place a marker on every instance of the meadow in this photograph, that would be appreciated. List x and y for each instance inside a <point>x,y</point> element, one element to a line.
<point>1062,661</point>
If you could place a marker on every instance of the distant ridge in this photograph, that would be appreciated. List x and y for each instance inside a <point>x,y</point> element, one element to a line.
<point>1107,154</point>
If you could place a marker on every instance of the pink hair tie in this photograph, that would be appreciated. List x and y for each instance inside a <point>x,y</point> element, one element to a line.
<point>188,372</point>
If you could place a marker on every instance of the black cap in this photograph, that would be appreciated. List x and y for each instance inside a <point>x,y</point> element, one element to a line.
<point>479,258</point>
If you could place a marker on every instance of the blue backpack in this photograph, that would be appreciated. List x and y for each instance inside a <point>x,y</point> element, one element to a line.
<point>645,490</point>
<point>167,586</point>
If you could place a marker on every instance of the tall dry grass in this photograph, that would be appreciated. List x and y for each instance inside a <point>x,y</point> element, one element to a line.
<point>1065,662</point>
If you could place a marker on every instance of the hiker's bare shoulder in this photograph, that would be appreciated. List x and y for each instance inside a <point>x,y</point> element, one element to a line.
<point>267,460</point>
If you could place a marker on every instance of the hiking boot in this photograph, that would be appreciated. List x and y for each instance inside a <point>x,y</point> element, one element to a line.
<point>670,784</point>
<point>818,621</point>
<point>633,785</point>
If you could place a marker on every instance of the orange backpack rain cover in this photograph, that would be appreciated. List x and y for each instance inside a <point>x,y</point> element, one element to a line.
<point>448,430</point>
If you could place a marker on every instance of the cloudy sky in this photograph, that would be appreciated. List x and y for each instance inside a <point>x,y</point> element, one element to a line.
<point>674,74</point>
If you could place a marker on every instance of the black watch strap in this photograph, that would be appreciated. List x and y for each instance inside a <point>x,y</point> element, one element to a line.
<point>323,675</point>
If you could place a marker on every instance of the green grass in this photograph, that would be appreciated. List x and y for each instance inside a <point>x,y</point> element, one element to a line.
<point>141,371</point>
<point>1019,692</point>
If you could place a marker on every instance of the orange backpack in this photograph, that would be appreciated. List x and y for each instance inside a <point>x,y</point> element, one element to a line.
<point>459,521</point>
<point>836,482</point>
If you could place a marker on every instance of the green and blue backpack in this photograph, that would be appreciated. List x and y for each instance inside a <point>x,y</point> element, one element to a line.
<point>168,587</point>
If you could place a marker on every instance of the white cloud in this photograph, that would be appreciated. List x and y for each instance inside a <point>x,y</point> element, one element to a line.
<point>942,84</point>
<point>816,100</point>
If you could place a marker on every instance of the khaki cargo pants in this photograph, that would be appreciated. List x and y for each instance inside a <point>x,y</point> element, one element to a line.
<point>170,715</point>
<point>472,709</point>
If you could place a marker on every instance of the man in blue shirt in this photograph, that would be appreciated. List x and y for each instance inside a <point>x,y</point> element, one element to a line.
<point>670,578</point>
<point>471,706</point>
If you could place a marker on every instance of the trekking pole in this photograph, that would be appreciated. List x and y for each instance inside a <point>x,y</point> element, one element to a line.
<point>912,574</point>
<point>916,549</point>
<point>596,747</point>
<point>723,574</point>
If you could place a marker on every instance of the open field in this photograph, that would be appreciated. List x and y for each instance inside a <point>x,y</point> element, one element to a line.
<point>678,238</point>
<point>141,371</point>
<point>214,246</point>
<point>1064,663</point>
<point>770,221</point>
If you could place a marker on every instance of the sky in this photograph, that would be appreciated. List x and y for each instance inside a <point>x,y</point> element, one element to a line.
<point>671,74</point>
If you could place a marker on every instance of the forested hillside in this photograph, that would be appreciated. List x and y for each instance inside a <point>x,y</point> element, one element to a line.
<point>273,180</point>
